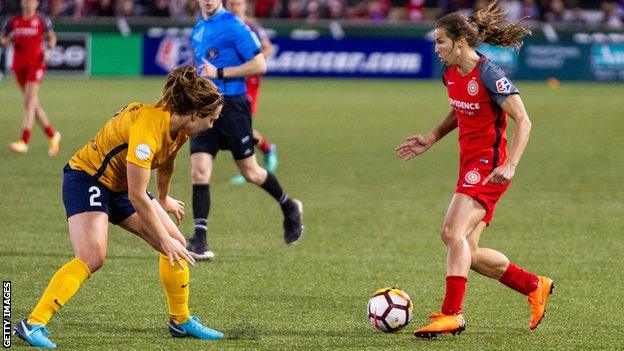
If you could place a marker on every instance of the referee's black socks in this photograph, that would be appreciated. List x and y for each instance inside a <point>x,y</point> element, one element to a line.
<point>201,208</point>
<point>273,187</point>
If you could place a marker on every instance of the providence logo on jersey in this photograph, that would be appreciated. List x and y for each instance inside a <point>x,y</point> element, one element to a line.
<point>473,87</point>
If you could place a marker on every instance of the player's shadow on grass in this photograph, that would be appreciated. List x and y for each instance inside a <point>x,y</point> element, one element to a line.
<point>245,330</point>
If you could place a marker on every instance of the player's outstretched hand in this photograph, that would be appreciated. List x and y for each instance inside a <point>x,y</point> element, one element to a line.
<point>501,174</point>
<point>413,146</point>
<point>176,252</point>
<point>175,207</point>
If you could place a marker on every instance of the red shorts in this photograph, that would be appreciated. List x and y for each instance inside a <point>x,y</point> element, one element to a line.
<point>470,183</point>
<point>26,74</point>
<point>253,88</point>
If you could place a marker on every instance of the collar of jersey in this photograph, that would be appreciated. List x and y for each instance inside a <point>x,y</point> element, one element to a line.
<point>217,14</point>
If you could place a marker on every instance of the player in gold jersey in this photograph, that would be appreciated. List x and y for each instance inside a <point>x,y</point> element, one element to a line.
<point>106,181</point>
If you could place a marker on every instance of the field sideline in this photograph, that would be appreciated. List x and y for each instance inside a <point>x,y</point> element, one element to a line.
<point>371,220</point>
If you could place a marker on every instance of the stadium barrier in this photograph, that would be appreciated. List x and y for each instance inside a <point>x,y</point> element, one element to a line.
<point>116,47</point>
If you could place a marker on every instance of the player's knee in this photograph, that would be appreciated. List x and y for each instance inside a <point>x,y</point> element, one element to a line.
<point>200,175</point>
<point>449,236</point>
<point>94,261</point>
<point>255,175</point>
<point>475,263</point>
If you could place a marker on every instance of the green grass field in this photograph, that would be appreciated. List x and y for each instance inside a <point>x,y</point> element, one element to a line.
<point>371,220</point>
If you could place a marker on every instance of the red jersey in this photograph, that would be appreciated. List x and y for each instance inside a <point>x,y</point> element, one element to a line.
<point>27,37</point>
<point>476,99</point>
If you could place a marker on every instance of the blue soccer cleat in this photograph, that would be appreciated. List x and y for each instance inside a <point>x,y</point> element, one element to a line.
<point>270,159</point>
<point>34,334</point>
<point>238,180</point>
<point>193,327</point>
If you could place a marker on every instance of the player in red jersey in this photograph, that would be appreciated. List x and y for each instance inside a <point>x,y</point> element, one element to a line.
<point>269,150</point>
<point>26,31</point>
<point>481,98</point>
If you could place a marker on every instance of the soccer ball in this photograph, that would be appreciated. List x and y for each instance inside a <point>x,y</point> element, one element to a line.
<point>389,309</point>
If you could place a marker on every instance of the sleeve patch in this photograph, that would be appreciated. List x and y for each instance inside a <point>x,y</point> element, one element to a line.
<point>503,85</point>
<point>142,152</point>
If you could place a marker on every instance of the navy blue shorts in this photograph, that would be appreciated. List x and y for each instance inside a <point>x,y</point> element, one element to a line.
<point>83,193</point>
<point>231,131</point>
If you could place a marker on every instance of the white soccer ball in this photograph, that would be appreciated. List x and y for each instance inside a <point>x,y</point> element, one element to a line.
<point>389,309</point>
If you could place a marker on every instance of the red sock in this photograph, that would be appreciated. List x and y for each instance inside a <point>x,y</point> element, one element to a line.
<point>265,146</point>
<point>49,130</point>
<point>454,295</point>
<point>520,280</point>
<point>26,135</point>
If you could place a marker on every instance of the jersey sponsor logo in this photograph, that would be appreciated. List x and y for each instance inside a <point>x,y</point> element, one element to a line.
<point>464,105</point>
<point>503,85</point>
<point>24,32</point>
<point>212,53</point>
<point>142,152</point>
<point>473,87</point>
<point>473,177</point>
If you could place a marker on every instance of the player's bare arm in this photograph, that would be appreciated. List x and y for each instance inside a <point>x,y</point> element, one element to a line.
<point>138,178</point>
<point>50,45</point>
<point>522,128</point>
<point>163,181</point>
<point>415,145</point>
<point>267,48</point>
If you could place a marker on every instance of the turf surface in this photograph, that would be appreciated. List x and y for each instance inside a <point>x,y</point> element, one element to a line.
<point>371,220</point>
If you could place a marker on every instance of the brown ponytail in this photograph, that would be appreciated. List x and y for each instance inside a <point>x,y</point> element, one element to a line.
<point>185,92</point>
<point>487,25</point>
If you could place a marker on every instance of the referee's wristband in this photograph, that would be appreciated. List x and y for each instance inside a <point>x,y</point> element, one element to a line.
<point>220,72</point>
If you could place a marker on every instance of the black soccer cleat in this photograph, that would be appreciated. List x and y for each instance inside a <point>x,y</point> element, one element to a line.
<point>199,249</point>
<point>293,226</point>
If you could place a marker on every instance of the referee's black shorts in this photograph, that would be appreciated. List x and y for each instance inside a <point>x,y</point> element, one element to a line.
<point>231,131</point>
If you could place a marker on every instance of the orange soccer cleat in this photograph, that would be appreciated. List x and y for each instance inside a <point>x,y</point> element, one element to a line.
<point>53,144</point>
<point>537,299</point>
<point>19,147</point>
<point>440,324</point>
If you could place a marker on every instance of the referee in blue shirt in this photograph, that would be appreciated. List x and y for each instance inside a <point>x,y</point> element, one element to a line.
<point>227,51</point>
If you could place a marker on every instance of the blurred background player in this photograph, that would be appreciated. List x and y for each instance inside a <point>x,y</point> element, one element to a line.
<point>106,181</point>
<point>481,99</point>
<point>26,31</point>
<point>269,150</point>
<point>226,52</point>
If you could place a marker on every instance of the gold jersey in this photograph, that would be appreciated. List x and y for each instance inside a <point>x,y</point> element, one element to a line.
<point>138,134</point>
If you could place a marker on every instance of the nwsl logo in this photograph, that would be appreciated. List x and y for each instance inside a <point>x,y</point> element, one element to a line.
<point>174,51</point>
<point>503,85</point>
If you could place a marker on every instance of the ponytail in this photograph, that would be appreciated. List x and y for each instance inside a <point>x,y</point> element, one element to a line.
<point>488,25</point>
